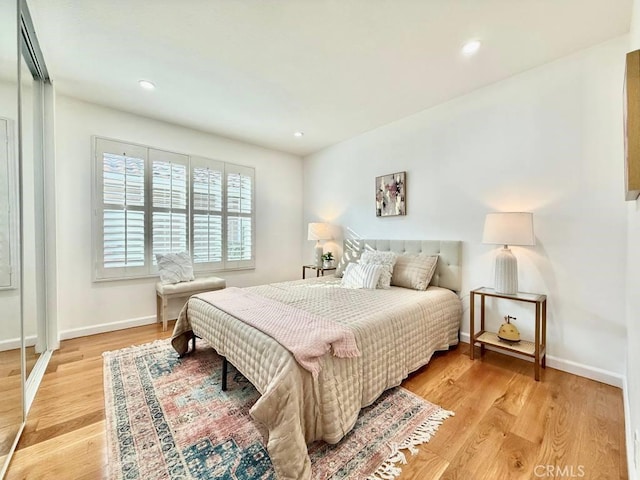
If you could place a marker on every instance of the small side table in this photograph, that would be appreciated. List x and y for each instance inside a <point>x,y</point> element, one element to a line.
<point>535,349</point>
<point>319,270</point>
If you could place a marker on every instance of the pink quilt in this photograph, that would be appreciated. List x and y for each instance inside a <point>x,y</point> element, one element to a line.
<point>307,336</point>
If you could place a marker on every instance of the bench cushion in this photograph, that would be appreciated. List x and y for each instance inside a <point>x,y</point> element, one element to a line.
<point>186,288</point>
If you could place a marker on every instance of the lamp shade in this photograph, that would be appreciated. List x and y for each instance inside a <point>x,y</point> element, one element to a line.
<point>319,231</point>
<point>509,228</point>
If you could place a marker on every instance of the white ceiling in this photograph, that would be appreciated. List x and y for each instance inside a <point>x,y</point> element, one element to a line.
<point>259,70</point>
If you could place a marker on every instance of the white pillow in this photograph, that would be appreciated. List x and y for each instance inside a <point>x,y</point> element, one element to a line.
<point>175,268</point>
<point>386,259</point>
<point>361,276</point>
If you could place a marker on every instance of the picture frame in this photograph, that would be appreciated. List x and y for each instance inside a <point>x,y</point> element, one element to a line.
<point>632,126</point>
<point>391,192</point>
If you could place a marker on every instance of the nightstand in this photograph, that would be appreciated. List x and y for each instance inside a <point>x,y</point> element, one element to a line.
<point>535,349</point>
<point>319,270</point>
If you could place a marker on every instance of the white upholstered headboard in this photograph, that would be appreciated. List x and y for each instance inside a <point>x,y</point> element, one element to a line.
<point>448,272</point>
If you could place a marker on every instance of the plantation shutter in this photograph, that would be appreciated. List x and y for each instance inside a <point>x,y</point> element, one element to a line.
<point>170,202</point>
<point>240,216</point>
<point>207,184</point>
<point>149,201</point>
<point>6,253</point>
<point>121,213</point>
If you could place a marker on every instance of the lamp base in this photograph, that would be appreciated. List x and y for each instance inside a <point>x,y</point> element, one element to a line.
<point>506,279</point>
<point>319,251</point>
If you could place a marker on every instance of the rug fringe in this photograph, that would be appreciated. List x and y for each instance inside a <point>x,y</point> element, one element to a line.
<point>390,469</point>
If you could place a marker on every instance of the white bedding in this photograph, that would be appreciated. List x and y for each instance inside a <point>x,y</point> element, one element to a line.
<point>397,331</point>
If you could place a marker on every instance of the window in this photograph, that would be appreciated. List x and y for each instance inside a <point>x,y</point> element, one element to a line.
<point>239,215</point>
<point>8,221</point>
<point>170,201</point>
<point>207,219</point>
<point>150,201</point>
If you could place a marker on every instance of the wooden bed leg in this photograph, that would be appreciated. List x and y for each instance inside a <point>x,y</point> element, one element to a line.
<point>225,365</point>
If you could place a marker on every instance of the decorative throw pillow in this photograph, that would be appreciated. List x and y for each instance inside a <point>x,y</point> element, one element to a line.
<point>361,276</point>
<point>386,259</point>
<point>414,270</point>
<point>349,256</point>
<point>175,268</point>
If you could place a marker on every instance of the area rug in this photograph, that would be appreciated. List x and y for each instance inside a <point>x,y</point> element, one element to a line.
<point>167,418</point>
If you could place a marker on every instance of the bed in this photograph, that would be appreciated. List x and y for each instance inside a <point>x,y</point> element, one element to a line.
<point>397,331</point>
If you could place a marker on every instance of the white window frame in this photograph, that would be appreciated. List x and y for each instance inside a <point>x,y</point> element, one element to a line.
<point>101,145</point>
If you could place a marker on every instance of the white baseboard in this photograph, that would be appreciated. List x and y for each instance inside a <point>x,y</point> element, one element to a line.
<point>569,366</point>
<point>105,327</point>
<point>14,343</point>
<point>587,371</point>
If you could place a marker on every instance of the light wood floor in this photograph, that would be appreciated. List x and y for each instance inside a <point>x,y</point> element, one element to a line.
<point>506,425</point>
<point>11,395</point>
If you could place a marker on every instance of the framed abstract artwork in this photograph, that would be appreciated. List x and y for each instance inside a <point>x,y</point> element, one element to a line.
<point>391,191</point>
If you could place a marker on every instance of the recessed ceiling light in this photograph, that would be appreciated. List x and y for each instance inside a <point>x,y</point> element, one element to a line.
<point>298,134</point>
<point>470,47</point>
<point>146,84</point>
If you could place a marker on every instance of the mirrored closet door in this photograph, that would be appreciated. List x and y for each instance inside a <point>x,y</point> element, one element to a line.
<point>35,146</point>
<point>11,352</point>
<point>26,108</point>
<point>32,203</point>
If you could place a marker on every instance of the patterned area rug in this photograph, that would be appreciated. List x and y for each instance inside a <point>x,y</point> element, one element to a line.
<point>167,418</point>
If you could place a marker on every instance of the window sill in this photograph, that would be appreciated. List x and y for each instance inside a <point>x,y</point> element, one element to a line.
<point>156,277</point>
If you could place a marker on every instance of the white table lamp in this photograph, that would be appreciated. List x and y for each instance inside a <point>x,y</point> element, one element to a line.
<point>508,228</point>
<point>317,232</point>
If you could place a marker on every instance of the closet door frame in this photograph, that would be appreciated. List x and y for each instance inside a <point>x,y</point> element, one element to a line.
<point>45,201</point>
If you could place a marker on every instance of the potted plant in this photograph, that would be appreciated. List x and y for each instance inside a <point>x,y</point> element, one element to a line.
<point>327,260</point>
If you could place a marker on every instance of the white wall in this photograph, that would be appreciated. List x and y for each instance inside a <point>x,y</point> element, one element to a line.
<point>547,141</point>
<point>87,307</point>
<point>633,295</point>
